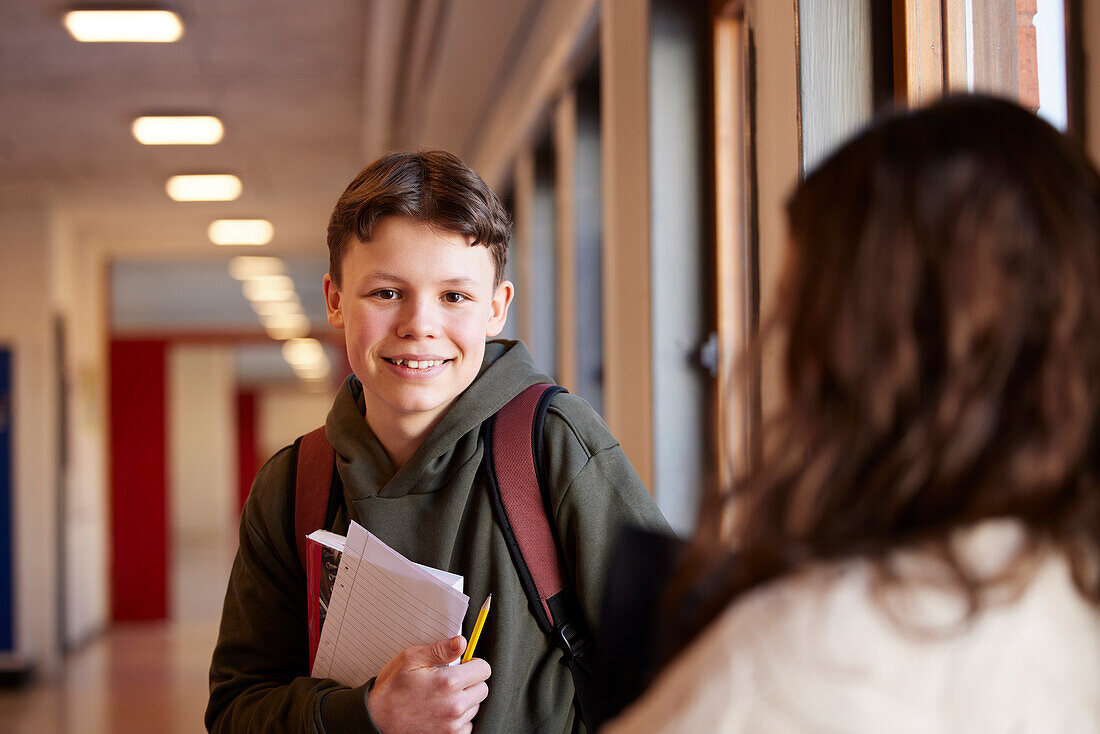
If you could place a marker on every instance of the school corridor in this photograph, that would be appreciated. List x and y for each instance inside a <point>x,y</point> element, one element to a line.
<point>163,212</point>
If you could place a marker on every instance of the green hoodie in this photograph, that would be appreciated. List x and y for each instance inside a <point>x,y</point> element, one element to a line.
<point>436,511</point>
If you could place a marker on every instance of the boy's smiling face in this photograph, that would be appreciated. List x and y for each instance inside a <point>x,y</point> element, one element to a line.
<point>416,305</point>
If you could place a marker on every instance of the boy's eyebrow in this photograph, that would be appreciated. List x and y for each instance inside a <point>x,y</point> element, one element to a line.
<point>379,275</point>
<point>460,280</point>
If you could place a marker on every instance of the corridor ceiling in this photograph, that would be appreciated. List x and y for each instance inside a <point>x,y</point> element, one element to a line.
<point>308,91</point>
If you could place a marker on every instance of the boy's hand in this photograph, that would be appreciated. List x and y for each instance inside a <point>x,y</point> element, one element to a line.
<point>414,694</point>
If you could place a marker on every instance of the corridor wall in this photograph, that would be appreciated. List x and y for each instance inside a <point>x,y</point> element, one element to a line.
<point>26,328</point>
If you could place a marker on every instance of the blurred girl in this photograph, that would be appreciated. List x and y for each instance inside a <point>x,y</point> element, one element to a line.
<point>918,550</point>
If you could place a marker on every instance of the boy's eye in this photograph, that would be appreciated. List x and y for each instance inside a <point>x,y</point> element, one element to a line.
<point>454,297</point>
<point>385,294</point>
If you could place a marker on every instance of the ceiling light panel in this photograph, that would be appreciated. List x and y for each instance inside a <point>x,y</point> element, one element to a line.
<point>282,333</point>
<point>178,130</point>
<point>247,267</point>
<point>269,288</point>
<point>307,358</point>
<point>124,26</point>
<point>286,326</point>
<point>214,187</point>
<point>241,232</point>
<point>276,308</point>
<point>303,352</point>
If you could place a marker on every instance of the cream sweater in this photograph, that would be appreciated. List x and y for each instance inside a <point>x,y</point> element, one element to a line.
<point>816,653</point>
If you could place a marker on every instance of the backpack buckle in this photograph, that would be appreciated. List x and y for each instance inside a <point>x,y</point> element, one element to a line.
<point>573,641</point>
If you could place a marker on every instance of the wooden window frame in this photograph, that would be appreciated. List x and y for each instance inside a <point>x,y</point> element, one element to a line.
<point>737,409</point>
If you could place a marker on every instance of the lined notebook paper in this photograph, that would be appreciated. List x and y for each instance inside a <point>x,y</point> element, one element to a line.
<point>381,604</point>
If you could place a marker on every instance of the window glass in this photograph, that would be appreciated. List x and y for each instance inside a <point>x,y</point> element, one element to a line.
<point>543,286</point>
<point>1050,36</point>
<point>589,242</point>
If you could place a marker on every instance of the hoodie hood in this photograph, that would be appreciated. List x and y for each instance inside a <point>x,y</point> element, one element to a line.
<point>365,468</point>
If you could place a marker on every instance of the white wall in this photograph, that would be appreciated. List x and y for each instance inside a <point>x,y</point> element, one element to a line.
<point>202,443</point>
<point>202,472</point>
<point>26,325</point>
<point>79,288</point>
<point>284,413</point>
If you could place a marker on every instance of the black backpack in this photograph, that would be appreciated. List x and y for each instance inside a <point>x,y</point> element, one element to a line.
<point>520,500</point>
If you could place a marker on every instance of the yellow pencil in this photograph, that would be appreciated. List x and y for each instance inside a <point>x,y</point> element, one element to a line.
<point>477,629</point>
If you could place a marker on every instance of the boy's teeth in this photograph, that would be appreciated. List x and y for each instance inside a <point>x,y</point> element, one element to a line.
<point>418,364</point>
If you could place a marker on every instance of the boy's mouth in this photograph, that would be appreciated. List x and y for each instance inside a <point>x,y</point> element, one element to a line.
<point>417,364</point>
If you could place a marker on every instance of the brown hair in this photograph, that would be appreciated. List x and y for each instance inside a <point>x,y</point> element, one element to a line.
<point>430,186</point>
<point>940,312</point>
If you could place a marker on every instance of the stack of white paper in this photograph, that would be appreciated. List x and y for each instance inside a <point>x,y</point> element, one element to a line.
<point>381,604</point>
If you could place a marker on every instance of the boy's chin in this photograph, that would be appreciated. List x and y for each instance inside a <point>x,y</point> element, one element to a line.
<point>419,402</point>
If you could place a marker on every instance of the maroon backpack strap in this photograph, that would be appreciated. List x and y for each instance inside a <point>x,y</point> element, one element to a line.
<point>521,503</point>
<point>312,485</point>
<point>517,481</point>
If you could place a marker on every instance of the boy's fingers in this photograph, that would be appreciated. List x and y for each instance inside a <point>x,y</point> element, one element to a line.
<point>476,694</point>
<point>470,674</point>
<point>468,716</point>
<point>437,653</point>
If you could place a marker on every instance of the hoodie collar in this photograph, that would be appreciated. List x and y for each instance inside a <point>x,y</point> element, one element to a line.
<point>365,468</point>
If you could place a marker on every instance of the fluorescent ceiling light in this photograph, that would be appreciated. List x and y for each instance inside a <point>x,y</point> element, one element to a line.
<point>217,187</point>
<point>178,130</point>
<point>307,358</point>
<point>241,232</point>
<point>247,267</point>
<point>286,321</point>
<point>276,308</point>
<point>125,26</point>
<point>282,332</point>
<point>303,352</point>
<point>269,288</point>
<point>287,326</point>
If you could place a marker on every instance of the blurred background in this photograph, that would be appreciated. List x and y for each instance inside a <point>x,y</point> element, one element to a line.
<point>163,204</point>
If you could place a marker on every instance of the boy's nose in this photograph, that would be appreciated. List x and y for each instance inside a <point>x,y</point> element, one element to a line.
<point>419,318</point>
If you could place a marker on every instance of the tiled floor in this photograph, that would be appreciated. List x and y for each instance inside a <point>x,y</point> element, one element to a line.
<point>136,679</point>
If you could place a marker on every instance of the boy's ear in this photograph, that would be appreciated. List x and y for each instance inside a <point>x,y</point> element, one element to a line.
<point>332,302</point>
<point>499,308</point>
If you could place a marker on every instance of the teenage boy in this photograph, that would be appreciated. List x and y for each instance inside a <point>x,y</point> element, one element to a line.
<point>417,247</point>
